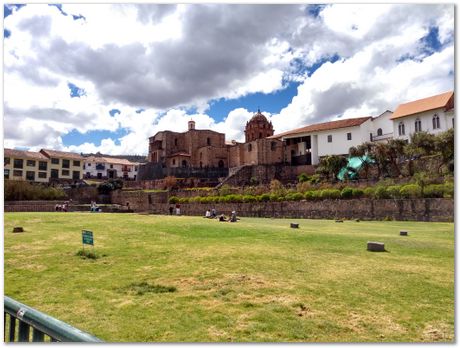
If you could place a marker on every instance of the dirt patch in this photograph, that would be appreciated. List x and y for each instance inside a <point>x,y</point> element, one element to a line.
<point>438,332</point>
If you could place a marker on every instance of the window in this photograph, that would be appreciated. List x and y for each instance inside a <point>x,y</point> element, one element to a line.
<point>348,136</point>
<point>329,138</point>
<point>54,160</point>
<point>89,164</point>
<point>76,163</point>
<point>76,175</point>
<point>208,141</point>
<point>379,132</point>
<point>65,163</point>
<point>175,142</point>
<point>273,146</point>
<point>6,173</point>
<point>30,175</point>
<point>54,173</point>
<point>65,172</point>
<point>6,160</point>
<point>201,155</point>
<point>418,125</point>
<point>42,165</point>
<point>30,163</point>
<point>436,123</point>
<point>401,129</point>
<point>174,162</point>
<point>17,172</point>
<point>260,135</point>
<point>111,166</point>
<point>249,147</point>
<point>42,175</point>
<point>135,168</point>
<point>184,163</point>
<point>18,163</point>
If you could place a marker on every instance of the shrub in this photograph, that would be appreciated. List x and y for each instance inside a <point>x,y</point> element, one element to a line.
<point>274,197</point>
<point>315,179</point>
<point>330,194</point>
<point>105,187</point>
<point>249,198</point>
<point>174,199</point>
<point>303,177</point>
<point>169,182</point>
<point>381,192</point>
<point>297,196</point>
<point>276,186</point>
<point>411,191</point>
<point>434,191</point>
<point>182,200</point>
<point>346,193</point>
<point>357,193</point>
<point>225,190</point>
<point>393,191</point>
<point>369,192</point>
<point>449,189</point>
<point>304,187</point>
<point>310,195</point>
<point>263,197</point>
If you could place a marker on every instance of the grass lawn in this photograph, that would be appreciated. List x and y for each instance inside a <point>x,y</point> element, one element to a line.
<point>250,281</point>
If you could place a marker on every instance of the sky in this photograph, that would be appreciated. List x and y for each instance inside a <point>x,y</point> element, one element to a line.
<point>106,77</point>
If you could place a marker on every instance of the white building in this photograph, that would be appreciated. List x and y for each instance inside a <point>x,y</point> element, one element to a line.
<point>433,114</point>
<point>307,144</point>
<point>110,168</point>
<point>382,127</point>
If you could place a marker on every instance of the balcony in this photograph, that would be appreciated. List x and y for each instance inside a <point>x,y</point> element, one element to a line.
<point>100,166</point>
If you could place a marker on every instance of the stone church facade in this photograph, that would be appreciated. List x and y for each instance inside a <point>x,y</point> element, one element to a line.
<point>203,149</point>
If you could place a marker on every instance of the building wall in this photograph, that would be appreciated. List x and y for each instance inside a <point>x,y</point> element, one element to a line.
<point>385,124</point>
<point>340,145</point>
<point>67,173</point>
<point>426,118</point>
<point>26,168</point>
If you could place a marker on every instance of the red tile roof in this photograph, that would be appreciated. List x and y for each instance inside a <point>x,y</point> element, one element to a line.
<point>425,104</point>
<point>24,154</point>
<point>318,127</point>
<point>61,154</point>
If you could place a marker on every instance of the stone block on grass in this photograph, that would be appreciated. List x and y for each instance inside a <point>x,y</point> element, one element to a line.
<point>18,229</point>
<point>294,225</point>
<point>375,246</point>
<point>403,233</point>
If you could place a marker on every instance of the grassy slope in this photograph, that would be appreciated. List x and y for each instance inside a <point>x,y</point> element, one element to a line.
<point>256,280</point>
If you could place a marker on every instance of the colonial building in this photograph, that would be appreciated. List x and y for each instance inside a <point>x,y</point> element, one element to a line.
<point>26,165</point>
<point>98,167</point>
<point>64,165</point>
<point>258,148</point>
<point>195,148</point>
<point>434,114</point>
<point>305,145</point>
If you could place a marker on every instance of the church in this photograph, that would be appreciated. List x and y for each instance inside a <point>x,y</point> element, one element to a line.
<point>207,149</point>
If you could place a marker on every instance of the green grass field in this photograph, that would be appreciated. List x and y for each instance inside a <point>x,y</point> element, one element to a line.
<point>251,281</point>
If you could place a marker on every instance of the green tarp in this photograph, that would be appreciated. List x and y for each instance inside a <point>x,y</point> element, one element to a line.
<point>353,167</point>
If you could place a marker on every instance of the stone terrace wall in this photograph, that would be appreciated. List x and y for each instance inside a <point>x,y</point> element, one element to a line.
<point>430,209</point>
<point>30,206</point>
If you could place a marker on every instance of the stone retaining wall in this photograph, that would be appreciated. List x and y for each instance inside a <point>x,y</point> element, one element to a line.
<point>429,209</point>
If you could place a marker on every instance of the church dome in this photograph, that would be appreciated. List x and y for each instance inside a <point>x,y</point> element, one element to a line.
<point>259,117</point>
<point>258,127</point>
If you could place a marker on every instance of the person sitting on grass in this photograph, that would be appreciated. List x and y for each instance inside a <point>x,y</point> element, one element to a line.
<point>222,217</point>
<point>233,217</point>
<point>213,213</point>
<point>207,214</point>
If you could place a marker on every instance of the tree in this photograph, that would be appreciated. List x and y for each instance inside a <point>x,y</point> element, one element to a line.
<point>422,143</point>
<point>169,182</point>
<point>445,144</point>
<point>331,165</point>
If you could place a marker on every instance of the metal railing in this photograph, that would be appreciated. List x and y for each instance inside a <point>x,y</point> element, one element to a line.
<point>35,325</point>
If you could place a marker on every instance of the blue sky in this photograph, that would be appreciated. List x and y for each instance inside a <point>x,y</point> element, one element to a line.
<point>77,78</point>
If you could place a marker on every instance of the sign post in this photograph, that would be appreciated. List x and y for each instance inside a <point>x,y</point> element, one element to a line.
<point>87,238</point>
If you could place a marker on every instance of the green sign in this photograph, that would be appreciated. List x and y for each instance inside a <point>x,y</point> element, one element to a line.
<point>87,237</point>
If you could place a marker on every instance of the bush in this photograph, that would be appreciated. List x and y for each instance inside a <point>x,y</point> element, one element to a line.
<point>263,197</point>
<point>315,179</point>
<point>274,197</point>
<point>105,187</point>
<point>434,191</point>
<point>369,192</point>
<point>449,190</point>
<point>303,177</point>
<point>304,187</point>
<point>309,195</point>
<point>297,196</point>
<point>381,193</point>
<point>249,198</point>
<point>346,193</point>
<point>411,191</point>
<point>330,194</point>
<point>393,191</point>
<point>173,200</point>
<point>357,193</point>
<point>182,200</point>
